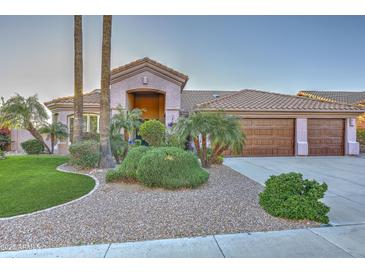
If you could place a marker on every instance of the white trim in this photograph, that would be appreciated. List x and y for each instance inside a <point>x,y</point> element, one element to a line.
<point>59,168</point>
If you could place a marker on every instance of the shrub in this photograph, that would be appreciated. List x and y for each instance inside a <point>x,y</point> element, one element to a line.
<point>290,196</point>
<point>219,160</point>
<point>118,146</point>
<point>171,168</point>
<point>32,146</point>
<point>128,168</point>
<point>153,132</point>
<point>85,154</point>
<point>113,175</point>
<point>2,155</point>
<point>91,136</point>
<point>173,140</point>
<point>5,139</point>
<point>361,135</point>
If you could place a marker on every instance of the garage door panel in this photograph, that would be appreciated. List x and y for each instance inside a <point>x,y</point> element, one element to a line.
<point>268,137</point>
<point>326,136</point>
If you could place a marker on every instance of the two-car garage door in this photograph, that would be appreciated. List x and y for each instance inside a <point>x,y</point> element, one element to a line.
<point>276,137</point>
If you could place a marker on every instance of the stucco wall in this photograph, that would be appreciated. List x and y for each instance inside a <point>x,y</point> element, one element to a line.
<point>19,136</point>
<point>172,91</point>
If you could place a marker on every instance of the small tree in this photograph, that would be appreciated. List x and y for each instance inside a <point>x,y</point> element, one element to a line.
<point>126,121</point>
<point>55,131</point>
<point>25,113</point>
<point>153,132</point>
<point>223,131</point>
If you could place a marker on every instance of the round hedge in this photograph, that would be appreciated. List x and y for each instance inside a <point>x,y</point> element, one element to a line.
<point>85,154</point>
<point>153,132</point>
<point>128,168</point>
<point>171,168</point>
<point>32,146</point>
<point>289,196</point>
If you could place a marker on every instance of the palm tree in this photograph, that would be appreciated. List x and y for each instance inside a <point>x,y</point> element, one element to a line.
<point>26,113</point>
<point>106,159</point>
<point>78,80</point>
<point>55,131</point>
<point>223,131</point>
<point>126,120</point>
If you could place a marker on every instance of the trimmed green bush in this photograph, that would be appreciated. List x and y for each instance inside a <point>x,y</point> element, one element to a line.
<point>290,196</point>
<point>85,154</point>
<point>32,146</point>
<point>361,135</point>
<point>91,136</point>
<point>113,175</point>
<point>153,132</point>
<point>128,168</point>
<point>2,155</point>
<point>170,168</point>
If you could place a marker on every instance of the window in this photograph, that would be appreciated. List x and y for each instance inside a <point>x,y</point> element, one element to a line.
<point>90,124</point>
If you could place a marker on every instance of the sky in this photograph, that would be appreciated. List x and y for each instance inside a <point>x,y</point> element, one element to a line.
<point>274,53</point>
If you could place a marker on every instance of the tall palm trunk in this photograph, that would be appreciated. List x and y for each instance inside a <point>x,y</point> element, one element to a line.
<point>106,160</point>
<point>78,84</point>
<point>38,136</point>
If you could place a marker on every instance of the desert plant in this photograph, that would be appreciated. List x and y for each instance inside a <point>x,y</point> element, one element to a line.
<point>290,196</point>
<point>27,113</point>
<point>171,168</point>
<point>153,132</point>
<point>5,139</point>
<point>32,146</point>
<point>128,168</point>
<point>118,146</point>
<point>54,131</point>
<point>223,131</point>
<point>85,154</point>
<point>2,155</point>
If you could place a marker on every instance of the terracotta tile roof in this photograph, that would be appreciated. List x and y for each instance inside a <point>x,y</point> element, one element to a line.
<point>347,97</point>
<point>150,61</point>
<point>190,98</point>
<point>256,100</point>
<point>92,97</point>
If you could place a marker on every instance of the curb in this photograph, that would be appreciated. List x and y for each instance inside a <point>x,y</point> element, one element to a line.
<point>59,168</point>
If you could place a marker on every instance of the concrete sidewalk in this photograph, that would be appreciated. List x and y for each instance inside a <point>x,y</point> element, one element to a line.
<point>340,241</point>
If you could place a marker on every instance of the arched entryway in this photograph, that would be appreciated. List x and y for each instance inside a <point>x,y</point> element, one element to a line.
<point>151,101</point>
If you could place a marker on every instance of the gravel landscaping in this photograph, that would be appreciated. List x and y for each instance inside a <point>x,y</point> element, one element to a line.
<point>118,212</point>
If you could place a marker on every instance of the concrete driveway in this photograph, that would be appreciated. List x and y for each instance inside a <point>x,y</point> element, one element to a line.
<point>345,177</point>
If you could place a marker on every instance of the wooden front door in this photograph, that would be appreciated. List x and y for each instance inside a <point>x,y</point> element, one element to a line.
<point>153,105</point>
<point>268,137</point>
<point>326,137</point>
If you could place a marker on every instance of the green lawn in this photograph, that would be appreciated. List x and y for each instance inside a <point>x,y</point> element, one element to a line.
<point>32,183</point>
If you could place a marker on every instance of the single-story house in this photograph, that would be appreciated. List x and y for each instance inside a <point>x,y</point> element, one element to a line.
<point>274,124</point>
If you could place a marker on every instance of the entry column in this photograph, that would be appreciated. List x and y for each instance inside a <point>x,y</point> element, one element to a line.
<point>301,137</point>
<point>352,147</point>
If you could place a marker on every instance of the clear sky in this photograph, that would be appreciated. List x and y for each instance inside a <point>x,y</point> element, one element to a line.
<point>276,53</point>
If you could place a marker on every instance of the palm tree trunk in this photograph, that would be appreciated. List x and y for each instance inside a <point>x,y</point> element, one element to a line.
<point>37,136</point>
<point>106,160</point>
<point>197,147</point>
<point>218,150</point>
<point>204,150</point>
<point>52,143</point>
<point>78,84</point>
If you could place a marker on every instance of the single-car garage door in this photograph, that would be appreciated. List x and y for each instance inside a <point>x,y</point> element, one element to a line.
<point>326,137</point>
<point>268,137</point>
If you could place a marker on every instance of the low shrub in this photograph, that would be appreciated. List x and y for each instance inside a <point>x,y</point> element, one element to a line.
<point>5,139</point>
<point>219,160</point>
<point>173,140</point>
<point>290,196</point>
<point>118,146</point>
<point>90,136</point>
<point>85,154</point>
<point>113,175</point>
<point>32,146</point>
<point>153,132</point>
<point>2,155</point>
<point>128,168</point>
<point>170,168</point>
<point>361,136</point>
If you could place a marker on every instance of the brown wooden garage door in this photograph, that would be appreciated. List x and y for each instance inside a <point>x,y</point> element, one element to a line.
<point>326,136</point>
<point>268,137</point>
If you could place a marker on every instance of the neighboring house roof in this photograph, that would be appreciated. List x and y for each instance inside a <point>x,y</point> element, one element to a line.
<point>147,63</point>
<point>91,98</point>
<point>347,97</point>
<point>256,100</point>
<point>190,98</point>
